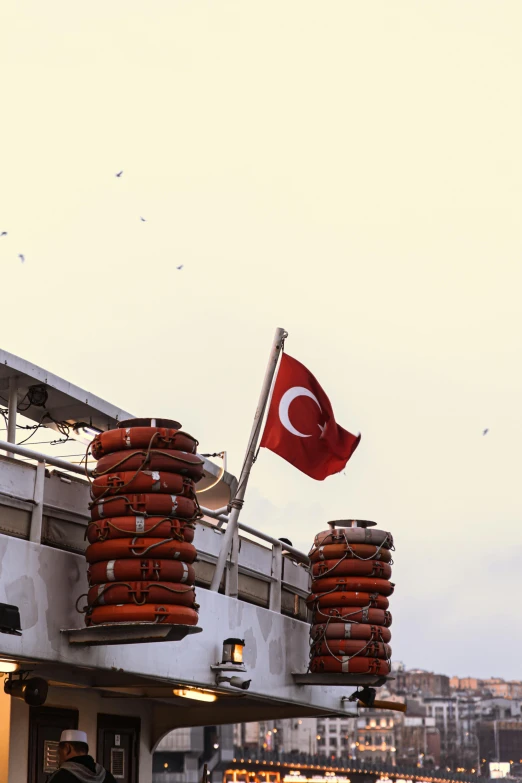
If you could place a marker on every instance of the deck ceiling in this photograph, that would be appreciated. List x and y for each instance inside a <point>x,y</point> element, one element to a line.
<point>231,706</point>
<point>65,402</point>
<point>69,403</point>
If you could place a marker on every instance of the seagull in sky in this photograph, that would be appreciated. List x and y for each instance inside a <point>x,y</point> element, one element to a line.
<point>142,219</point>
<point>119,173</point>
<point>485,432</point>
<point>21,257</point>
<point>3,234</point>
<point>180,266</point>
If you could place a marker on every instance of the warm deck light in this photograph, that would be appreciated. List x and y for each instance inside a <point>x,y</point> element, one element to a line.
<point>233,651</point>
<point>194,693</point>
<point>6,667</point>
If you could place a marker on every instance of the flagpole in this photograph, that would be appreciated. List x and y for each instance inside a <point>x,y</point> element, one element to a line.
<point>237,502</point>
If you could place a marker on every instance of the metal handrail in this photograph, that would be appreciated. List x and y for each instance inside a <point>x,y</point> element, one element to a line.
<point>343,763</point>
<point>218,514</point>
<point>24,451</point>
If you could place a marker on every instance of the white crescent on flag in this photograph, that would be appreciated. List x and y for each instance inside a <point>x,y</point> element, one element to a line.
<point>284,406</point>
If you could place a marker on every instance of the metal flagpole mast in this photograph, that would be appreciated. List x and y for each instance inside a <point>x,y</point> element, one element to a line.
<point>237,502</point>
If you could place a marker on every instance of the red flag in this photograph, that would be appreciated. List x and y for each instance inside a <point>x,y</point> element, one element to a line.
<point>301,427</point>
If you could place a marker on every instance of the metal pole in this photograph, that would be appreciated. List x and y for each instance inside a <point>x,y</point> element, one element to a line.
<point>12,405</point>
<point>237,502</point>
<point>35,531</point>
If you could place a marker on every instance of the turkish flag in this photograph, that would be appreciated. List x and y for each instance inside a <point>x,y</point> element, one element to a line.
<point>301,426</point>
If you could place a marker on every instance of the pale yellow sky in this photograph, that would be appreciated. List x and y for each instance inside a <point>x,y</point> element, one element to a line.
<point>350,171</point>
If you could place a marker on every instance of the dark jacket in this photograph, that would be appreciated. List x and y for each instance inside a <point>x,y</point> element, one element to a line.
<point>88,770</point>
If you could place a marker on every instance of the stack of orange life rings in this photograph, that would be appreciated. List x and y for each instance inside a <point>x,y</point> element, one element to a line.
<point>143,513</point>
<point>351,569</point>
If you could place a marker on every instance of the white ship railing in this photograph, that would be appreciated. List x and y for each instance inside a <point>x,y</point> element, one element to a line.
<point>220,515</point>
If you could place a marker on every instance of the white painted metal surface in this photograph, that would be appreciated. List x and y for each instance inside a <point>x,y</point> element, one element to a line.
<point>44,583</point>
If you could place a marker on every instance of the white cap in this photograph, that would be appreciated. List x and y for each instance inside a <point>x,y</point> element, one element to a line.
<point>71,735</point>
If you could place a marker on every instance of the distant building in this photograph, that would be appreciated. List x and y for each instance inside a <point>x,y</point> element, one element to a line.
<point>497,687</point>
<point>422,682</point>
<point>292,735</point>
<point>499,708</point>
<point>298,736</point>
<point>464,684</point>
<point>417,741</point>
<point>336,737</point>
<point>500,740</point>
<point>376,737</point>
<point>494,686</point>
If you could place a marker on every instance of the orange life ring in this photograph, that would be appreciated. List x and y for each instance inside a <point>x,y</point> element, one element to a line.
<point>325,663</point>
<point>156,527</point>
<point>145,505</point>
<point>140,547</point>
<point>356,551</point>
<point>351,614</point>
<point>352,568</point>
<point>338,585</point>
<point>356,647</point>
<point>148,613</point>
<point>171,461</point>
<point>336,630</point>
<point>141,593</point>
<point>348,599</point>
<point>142,438</point>
<point>143,570</point>
<point>354,535</point>
<point>144,481</point>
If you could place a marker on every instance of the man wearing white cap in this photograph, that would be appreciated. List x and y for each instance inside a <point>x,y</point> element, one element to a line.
<point>75,762</point>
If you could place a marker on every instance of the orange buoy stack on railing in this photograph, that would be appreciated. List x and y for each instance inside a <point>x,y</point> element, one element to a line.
<point>351,568</point>
<point>143,513</point>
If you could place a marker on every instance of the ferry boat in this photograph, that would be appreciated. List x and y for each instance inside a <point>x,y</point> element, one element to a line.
<point>128,688</point>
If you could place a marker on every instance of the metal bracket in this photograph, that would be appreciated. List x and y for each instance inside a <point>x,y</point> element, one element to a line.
<point>334,678</point>
<point>128,633</point>
<point>228,667</point>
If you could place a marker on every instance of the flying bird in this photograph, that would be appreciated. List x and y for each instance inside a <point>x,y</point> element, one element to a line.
<point>143,219</point>
<point>3,234</point>
<point>21,257</point>
<point>180,266</point>
<point>119,173</point>
<point>485,432</point>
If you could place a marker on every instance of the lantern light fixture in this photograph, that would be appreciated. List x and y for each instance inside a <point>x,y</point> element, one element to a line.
<point>233,651</point>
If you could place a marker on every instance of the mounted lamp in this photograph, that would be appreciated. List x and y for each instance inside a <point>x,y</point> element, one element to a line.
<point>233,651</point>
<point>231,661</point>
<point>10,619</point>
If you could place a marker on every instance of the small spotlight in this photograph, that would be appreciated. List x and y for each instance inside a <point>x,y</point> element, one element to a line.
<point>194,693</point>
<point>33,690</point>
<point>85,433</point>
<point>233,651</point>
<point>10,620</point>
<point>216,745</point>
